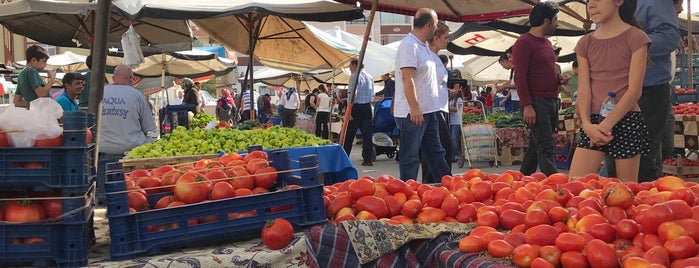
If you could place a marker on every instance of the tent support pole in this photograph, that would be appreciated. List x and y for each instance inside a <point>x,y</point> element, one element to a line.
<point>690,47</point>
<point>353,84</point>
<point>99,65</point>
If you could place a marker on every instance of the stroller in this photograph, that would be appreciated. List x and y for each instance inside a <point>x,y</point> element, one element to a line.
<point>385,130</point>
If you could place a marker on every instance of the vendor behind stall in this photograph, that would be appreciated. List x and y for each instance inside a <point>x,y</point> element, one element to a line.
<point>127,122</point>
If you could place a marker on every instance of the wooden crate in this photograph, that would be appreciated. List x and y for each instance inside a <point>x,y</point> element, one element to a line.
<point>686,173</point>
<point>151,163</point>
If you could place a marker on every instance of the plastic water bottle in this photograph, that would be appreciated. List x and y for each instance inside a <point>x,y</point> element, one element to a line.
<point>166,126</point>
<point>607,105</point>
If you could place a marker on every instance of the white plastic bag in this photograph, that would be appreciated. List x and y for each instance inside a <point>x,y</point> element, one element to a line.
<point>131,44</point>
<point>24,127</point>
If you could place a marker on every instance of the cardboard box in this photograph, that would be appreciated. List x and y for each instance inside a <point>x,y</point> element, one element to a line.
<point>511,155</point>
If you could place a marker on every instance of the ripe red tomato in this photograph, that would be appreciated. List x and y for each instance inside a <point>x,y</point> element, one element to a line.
<point>222,190</point>
<point>374,205</point>
<point>4,142</point>
<point>551,254</point>
<point>266,177</point>
<point>431,215</point>
<point>603,231</point>
<point>500,248</point>
<point>192,188</point>
<point>574,259</point>
<point>471,244</point>
<point>681,247</point>
<point>570,242</point>
<point>277,234</point>
<point>627,228</point>
<point>53,208</point>
<point>255,154</point>
<point>541,235</point>
<point>138,201</point>
<point>24,211</point>
<point>255,164</point>
<point>601,254</point>
<point>88,136</point>
<point>150,184</point>
<point>165,201</point>
<point>524,254</point>
<point>243,180</point>
<point>511,218</point>
<point>52,142</point>
<point>360,188</point>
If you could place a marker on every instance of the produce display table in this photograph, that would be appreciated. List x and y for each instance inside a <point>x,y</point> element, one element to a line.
<point>320,246</point>
<point>249,253</point>
<point>333,162</point>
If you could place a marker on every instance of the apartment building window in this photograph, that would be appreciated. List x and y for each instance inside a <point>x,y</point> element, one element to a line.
<point>359,21</point>
<point>389,18</point>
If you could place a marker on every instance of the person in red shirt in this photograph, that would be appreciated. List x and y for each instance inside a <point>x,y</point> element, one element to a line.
<point>489,99</point>
<point>537,86</point>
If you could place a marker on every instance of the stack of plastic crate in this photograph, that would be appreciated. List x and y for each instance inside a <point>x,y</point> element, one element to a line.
<point>66,173</point>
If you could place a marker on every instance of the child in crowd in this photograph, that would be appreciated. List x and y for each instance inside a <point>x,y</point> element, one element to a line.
<point>611,60</point>
<point>456,112</point>
<point>30,86</point>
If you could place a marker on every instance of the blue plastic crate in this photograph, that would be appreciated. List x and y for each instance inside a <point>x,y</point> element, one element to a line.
<point>74,128</point>
<point>682,98</point>
<point>178,115</point>
<point>65,244</point>
<point>139,233</point>
<point>54,167</point>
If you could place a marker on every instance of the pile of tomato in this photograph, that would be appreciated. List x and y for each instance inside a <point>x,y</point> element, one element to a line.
<point>228,177</point>
<point>686,109</point>
<point>540,221</point>
<point>472,110</point>
<point>37,207</point>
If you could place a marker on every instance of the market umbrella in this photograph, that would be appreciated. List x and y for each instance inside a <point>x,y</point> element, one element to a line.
<point>70,24</point>
<point>379,59</point>
<point>191,63</point>
<point>483,40</point>
<point>281,43</point>
<point>287,79</point>
<point>486,69</point>
<point>67,62</point>
<point>453,10</point>
<point>220,17</point>
<point>573,20</point>
<point>338,77</point>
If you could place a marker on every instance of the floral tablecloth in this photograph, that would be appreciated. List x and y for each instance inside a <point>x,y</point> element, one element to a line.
<point>250,253</point>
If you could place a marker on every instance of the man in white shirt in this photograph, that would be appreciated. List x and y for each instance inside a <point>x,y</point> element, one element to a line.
<point>417,100</point>
<point>323,115</point>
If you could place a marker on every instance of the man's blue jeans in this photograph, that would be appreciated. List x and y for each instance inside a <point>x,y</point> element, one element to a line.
<point>425,137</point>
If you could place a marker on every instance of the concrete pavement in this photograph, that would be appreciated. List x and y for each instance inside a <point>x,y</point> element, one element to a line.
<point>384,165</point>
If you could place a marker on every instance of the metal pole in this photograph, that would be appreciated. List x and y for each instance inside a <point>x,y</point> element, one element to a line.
<point>690,47</point>
<point>353,86</point>
<point>99,64</point>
